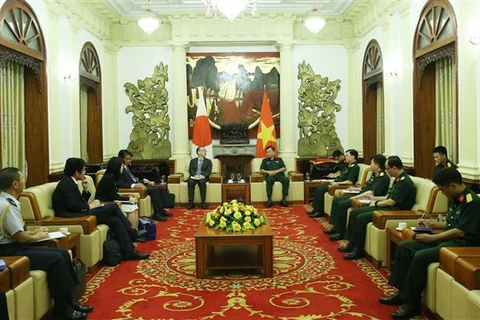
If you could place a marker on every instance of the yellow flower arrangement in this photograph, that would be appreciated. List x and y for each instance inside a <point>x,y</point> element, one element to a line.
<point>234,216</point>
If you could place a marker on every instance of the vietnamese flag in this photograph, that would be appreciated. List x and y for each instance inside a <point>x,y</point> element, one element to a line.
<point>266,130</point>
<point>202,134</point>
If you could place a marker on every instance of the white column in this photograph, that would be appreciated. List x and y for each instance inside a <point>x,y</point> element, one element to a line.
<point>179,136</point>
<point>288,115</point>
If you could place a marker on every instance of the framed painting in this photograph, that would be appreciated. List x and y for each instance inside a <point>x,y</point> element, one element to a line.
<point>232,85</point>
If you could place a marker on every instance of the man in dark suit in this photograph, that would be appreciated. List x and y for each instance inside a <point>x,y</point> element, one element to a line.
<point>199,169</point>
<point>15,241</point>
<point>68,202</point>
<point>129,180</point>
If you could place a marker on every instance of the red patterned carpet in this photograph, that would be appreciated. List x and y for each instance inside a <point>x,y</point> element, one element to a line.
<point>311,279</point>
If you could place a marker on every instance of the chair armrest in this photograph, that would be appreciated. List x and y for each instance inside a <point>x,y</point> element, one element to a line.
<point>88,223</point>
<point>175,178</point>
<point>332,189</point>
<point>141,191</point>
<point>357,204</point>
<point>463,264</point>
<point>295,176</point>
<point>256,177</point>
<point>380,217</point>
<point>215,178</point>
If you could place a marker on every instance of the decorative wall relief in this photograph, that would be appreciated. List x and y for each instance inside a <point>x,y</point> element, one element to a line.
<point>316,113</point>
<point>151,123</point>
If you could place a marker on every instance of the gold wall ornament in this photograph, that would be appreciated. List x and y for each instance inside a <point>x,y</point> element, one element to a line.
<point>151,123</point>
<point>316,113</point>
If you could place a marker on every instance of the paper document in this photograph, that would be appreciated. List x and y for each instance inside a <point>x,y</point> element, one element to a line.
<point>53,235</point>
<point>364,201</point>
<point>352,191</point>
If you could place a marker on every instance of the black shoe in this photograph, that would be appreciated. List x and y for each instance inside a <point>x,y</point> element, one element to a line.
<point>337,236</point>
<point>167,214</point>
<point>406,311</point>
<point>284,203</point>
<point>85,309</point>
<point>204,205</point>
<point>330,231</point>
<point>393,300</point>
<point>135,255</point>
<point>316,214</point>
<point>346,248</point>
<point>140,239</point>
<point>157,216</point>
<point>269,203</point>
<point>355,254</point>
<point>71,314</point>
<point>190,205</point>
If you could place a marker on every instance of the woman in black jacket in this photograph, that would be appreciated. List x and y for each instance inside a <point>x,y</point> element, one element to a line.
<point>107,190</point>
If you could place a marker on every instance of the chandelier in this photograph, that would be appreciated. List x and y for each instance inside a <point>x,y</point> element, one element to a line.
<point>149,23</point>
<point>314,22</point>
<point>230,8</point>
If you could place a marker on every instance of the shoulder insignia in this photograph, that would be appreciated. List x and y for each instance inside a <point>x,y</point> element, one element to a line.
<point>351,165</point>
<point>381,174</point>
<point>469,198</point>
<point>449,164</point>
<point>12,202</point>
<point>402,178</point>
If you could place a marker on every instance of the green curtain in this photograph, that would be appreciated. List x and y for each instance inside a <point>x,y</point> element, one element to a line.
<point>380,119</point>
<point>445,100</point>
<point>83,122</point>
<point>13,116</point>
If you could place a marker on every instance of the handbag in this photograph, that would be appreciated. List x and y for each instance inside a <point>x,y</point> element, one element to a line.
<point>148,224</point>
<point>81,271</point>
<point>112,254</point>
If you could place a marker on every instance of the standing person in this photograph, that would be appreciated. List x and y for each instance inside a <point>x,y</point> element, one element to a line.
<point>461,229</point>
<point>129,180</point>
<point>14,241</point>
<point>349,175</point>
<point>401,196</point>
<point>107,191</point>
<point>377,186</point>
<point>68,202</point>
<point>199,169</point>
<point>274,169</point>
<point>441,159</point>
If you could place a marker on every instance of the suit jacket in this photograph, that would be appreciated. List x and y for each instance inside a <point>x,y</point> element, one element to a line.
<point>67,200</point>
<point>126,179</point>
<point>107,189</point>
<point>206,169</point>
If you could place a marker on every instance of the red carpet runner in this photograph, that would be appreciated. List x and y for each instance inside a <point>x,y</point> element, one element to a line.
<point>311,279</point>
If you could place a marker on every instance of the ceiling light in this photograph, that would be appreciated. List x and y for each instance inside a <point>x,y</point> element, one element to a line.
<point>314,22</point>
<point>230,8</point>
<point>149,23</point>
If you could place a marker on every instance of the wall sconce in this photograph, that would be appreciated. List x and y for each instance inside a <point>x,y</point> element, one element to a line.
<point>474,32</point>
<point>69,73</point>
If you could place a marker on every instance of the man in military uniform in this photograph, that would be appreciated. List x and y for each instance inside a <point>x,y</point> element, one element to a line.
<point>14,241</point>
<point>401,196</point>
<point>274,168</point>
<point>441,159</point>
<point>377,185</point>
<point>461,229</point>
<point>349,175</point>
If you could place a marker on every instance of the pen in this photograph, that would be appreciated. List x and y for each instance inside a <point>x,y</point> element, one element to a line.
<point>423,215</point>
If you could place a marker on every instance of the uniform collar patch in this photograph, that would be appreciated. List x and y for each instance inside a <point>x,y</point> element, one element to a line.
<point>12,202</point>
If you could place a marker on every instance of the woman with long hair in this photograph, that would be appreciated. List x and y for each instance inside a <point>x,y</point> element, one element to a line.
<point>107,190</point>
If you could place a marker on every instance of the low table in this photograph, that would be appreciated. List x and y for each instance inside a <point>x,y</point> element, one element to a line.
<point>394,237</point>
<point>222,250</point>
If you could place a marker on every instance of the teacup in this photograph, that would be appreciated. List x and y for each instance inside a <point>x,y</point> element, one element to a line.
<point>402,225</point>
<point>63,230</point>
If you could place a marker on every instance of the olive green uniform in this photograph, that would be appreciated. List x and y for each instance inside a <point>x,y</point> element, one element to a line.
<point>275,164</point>
<point>448,164</point>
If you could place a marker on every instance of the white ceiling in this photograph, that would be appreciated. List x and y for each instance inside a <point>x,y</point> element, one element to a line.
<point>128,9</point>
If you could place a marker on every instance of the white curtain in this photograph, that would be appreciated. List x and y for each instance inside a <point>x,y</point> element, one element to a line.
<point>380,119</point>
<point>445,100</point>
<point>83,122</point>
<point>13,116</point>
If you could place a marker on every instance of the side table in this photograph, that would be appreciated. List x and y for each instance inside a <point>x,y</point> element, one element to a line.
<point>236,190</point>
<point>309,189</point>
<point>69,242</point>
<point>394,237</point>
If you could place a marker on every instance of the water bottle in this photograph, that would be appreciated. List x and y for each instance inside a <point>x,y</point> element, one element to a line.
<point>307,176</point>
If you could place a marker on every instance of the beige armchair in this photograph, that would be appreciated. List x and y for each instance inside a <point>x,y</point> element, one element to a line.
<point>144,203</point>
<point>36,206</point>
<point>428,200</point>
<point>334,191</point>
<point>258,184</point>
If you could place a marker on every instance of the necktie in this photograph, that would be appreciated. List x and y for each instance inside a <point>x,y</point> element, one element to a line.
<point>131,174</point>
<point>199,167</point>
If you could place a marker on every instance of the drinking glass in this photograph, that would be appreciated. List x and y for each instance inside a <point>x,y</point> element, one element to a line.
<point>307,176</point>
<point>232,176</point>
<point>239,177</point>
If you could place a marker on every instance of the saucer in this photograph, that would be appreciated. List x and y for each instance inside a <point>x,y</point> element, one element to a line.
<point>399,229</point>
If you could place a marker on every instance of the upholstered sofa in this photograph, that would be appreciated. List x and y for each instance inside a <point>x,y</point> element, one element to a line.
<point>36,206</point>
<point>427,199</point>
<point>363,175</point>
<point>177,184</point>
<point>258,184</point>
<point>144,203</point>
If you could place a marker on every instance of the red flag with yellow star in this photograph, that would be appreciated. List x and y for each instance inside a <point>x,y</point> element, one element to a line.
<point>266,130</point>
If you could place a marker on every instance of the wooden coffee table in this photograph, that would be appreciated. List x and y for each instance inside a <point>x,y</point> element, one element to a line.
<point>222,250</point>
